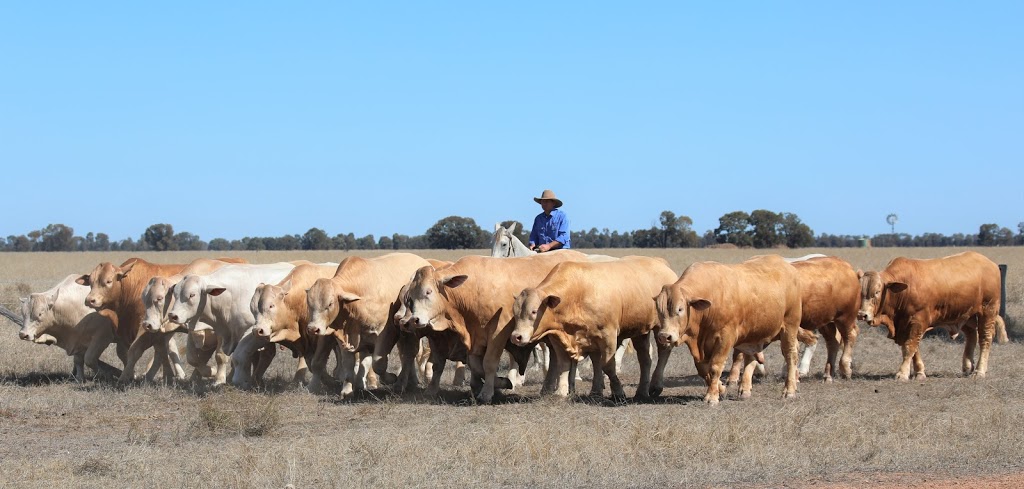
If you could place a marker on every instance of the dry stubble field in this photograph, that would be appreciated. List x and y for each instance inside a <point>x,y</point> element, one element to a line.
<point>869,431</point>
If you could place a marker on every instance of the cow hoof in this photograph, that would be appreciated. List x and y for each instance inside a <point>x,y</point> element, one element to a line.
<point>902,378</point>
<point>920,376</point>
<point>503,383</point>
<point>656,391</point>
<point>827,380</point>
<point>388,378</point>
<point>744,395</point>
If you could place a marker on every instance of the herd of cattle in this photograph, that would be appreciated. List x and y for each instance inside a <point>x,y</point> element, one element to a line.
<point>475,309</point>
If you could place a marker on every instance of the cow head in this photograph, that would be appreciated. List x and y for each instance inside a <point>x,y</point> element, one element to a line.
<point>37,313</point>
<point>104,284</point>
<point>527,311</point>
<point>428,296</point>
<point>674,310</point>
<point>325,304</point>
<point>190,296</point>
<point>402,315</point>
<point>270,310</point>
<point>876,303</point>
<point>156,298</point>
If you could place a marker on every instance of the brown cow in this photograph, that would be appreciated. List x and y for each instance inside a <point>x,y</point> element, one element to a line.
<point>360,300</point>
<point>282,316</point>
<point>592,307</point>
<point>714,308</point>
<point>958,292</point>
<point>119,288</point>
<point>478,292</point>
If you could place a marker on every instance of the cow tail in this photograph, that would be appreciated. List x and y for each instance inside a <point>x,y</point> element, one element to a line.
<point>1001,336</point>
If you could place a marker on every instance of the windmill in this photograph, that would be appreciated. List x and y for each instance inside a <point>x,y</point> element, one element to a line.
<point>892,219</point>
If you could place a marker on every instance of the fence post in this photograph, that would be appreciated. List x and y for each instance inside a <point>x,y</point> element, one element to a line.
<point>1002,291</point>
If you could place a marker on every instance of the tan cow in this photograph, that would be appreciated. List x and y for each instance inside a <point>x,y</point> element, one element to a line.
<point>360,300</point>
<point>830,298</point>
<point>282,316</point>
<point>714,308</point>
<point>588,307</point>
<point>449,343</point>
<point>119,288</point>
<point>478,292</point>
<point>957,293</point>
<point>157,299</point>
<point>60,317</point>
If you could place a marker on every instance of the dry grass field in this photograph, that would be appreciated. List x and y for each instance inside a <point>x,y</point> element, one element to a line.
<point>869,431</point>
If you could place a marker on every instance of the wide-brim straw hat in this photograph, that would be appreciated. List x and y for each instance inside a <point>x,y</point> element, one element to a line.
<point>548,195</point>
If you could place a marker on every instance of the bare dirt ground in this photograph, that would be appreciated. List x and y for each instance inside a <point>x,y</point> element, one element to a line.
<point>870,431</point>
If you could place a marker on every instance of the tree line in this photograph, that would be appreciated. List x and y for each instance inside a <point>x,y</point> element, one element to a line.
<point>758,229</point>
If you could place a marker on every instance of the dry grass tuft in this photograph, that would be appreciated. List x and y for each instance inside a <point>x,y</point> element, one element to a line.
<point>239,413</point>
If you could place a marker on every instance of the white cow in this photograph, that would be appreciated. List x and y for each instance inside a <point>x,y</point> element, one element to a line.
<point>221,299</point>
<point>59,316</point>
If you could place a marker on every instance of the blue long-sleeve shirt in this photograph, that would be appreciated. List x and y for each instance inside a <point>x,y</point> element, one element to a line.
<point>550,228</point>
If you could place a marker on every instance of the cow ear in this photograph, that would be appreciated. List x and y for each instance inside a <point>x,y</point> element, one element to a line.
<point>896,286</point>
<point>126,269</point>
<point>24,300</point>
<point>346,296</point>
<point>215,291</point>
<point>860,274</point>
<point>83,280</point>
<point>287,287</point>
<point>552,301</point>
<point>455,281</point>
<point>700,304</point>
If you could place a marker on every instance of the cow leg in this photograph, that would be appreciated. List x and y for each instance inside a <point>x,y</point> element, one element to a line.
<point>97,344</point>
<point>713,374</point>
<point>476,373</point>
<point>735,369</point>
<point>911,353</point>
<point>347,366</point>
<point>987,331</point>
<point>174,355</point>
<point>161,359</point>
<point>832,350</point>
<point>642,345</point>
<point>318,362</point>
<point>198,358</point>
<point>78,367</point>
<point>301,369</point>
<point>142,343</point>
<point>122,352</point>
<point>790,333</point>
<point>459,379</point>
<point>849,335</point>
<point>620,353</point>
<point>749,364</point>
<point>658,377</point>
<point>425,360</point>
<point>438,361</point>
<point>242,360</point>
<point>386,341</point>
<point>561,366</point>
<point>408,347</point>
<point>363,380</point>
<point>551,370</point>
<point>264,358</point>
<point>808,343</point>
<point>513,376</point>
<point>491,358</point>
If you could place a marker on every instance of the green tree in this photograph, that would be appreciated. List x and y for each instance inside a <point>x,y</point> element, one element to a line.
<point>159,237</point>
<point>797,234</point>
<point>766,229</point>
<point>316,239</point>
<point>993,235</point>
<point>57,237</point>
<point>219,244</point>
<point>734,228</point>
<point>188,242</point>
<point>455,232</point>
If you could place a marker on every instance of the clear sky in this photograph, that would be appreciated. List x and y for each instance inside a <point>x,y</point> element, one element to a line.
<point>233,119</point>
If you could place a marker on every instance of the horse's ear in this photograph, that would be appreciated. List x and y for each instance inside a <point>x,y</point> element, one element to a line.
<point>497,226</point>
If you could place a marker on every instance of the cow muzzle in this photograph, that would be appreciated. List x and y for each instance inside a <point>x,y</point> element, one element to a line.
<point>864,316</point>
<point>262,332</point>
<point>149,326</point>
<point>667,339</point>
<point>520,339</point>
<point>26,336</point>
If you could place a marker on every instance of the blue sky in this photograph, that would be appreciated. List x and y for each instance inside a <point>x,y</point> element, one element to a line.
<point>232,119</point>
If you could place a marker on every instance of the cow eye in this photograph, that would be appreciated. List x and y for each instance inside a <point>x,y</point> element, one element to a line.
<point>192,295</point>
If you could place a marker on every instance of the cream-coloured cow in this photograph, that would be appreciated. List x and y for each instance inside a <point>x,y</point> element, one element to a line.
<point>60,317</point>
<point>157,298</point>
<point>588,307</point>
<point>221,299</point>
<point>119,289</point>
<point>714,308</point>
<point>360,300</point>
<point>478,292</point>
